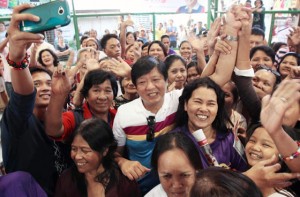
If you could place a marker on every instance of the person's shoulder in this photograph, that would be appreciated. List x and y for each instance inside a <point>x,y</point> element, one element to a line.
<point>181,9</point>
<point>157,191</point>
<point>130,105</point>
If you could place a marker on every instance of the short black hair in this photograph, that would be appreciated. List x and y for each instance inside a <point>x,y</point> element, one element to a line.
<point>36,69</point>
<point>98,76</point>
<point>194,64</point>
<point>162,46</point>
<point>55,58</point>
<point>164,36</point>
<point>145,65</point>
<point>258,32</point>
<point>107,37</point>
<point>266,49</point>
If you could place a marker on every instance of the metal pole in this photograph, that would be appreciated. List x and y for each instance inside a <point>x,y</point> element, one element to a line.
<point>75,26</point>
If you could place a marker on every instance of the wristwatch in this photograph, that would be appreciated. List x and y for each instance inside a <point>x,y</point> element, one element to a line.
<point>232,38</point>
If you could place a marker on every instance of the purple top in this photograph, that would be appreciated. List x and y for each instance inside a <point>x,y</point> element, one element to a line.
<point>171,52</point>
<point>222,149</point>
<point>20,184</point>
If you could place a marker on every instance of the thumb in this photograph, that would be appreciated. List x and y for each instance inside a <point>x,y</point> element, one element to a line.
<point>271,161</point>
<point>147,169</point>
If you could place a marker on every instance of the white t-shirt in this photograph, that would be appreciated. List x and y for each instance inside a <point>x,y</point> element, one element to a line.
<point>157,191</point>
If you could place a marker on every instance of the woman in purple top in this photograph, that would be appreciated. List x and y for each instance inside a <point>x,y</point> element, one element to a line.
<point>202,106</point>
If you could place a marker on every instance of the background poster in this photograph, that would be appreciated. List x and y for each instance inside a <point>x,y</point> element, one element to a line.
<point>3,3</point>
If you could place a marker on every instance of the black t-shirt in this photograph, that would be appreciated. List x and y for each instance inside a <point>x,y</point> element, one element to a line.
<point>26,147</point>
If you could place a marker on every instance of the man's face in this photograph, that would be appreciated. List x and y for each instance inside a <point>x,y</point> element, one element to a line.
<point>42,82</point>
<point>113,48</point>
<point>190,2</point>
<point>166,42</point>
<point>256,40</point>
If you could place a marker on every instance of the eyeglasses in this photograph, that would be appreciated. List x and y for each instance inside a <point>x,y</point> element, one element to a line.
<point>151,124</point>
<point>261,66</point>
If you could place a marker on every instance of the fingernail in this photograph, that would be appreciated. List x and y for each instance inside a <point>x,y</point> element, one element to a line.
<point>36,18</point>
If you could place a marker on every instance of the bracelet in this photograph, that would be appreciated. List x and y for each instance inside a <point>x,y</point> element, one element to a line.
<point>18,65</point>
<point>293,155</point>
<point>232,38</point>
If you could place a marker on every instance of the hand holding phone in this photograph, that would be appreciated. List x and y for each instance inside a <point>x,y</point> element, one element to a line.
<point>52,15</point>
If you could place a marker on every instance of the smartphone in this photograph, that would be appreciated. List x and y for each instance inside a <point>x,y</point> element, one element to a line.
<point>52,15</point>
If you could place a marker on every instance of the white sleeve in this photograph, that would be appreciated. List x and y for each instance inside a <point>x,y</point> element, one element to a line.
<point>119,133</point>
<point>244,73</point>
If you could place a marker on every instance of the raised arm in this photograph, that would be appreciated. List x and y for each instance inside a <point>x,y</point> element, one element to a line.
<point>123,27</point>
<point>276,111</point>
<point>19,42</point>
<point>198,46</point>
<point>60,88</point>
<point>243,73</point>
<point>227,62</point>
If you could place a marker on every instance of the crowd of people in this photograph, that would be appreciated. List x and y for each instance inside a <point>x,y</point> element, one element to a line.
<point>220,117</point>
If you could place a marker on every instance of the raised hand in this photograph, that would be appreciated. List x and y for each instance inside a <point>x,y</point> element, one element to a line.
<point>222,46</point>
<point>213,34</point>
<point>198,44</point>
<point>274,107</point>
<point>119,67</point>
<point>294,37</point>
<point>61,84</point>
<point>265,175</point>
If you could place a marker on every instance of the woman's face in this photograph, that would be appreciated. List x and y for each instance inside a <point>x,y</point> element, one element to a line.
<point>261,58</point>
<point>84,43</point>
<point>86,159</point>
<point>176,173</point>
<point>229,98</point>
<point>145,51</point>
<point>128,86</point>
<point>130,54</point>
<point>130,39</point>
<point>192,74</point>
<point>92,44</point>
<point>263,82</point>
<point>260,147</point>
<point>185,50</point>
<point>177,73</point>
<point>202,108</point>
<point>157,52</point>
<point>100,97</point>
<point>286,65</point>
<point>47,58</point>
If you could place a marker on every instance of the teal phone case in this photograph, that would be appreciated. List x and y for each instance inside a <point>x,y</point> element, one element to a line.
<point>52,15</point>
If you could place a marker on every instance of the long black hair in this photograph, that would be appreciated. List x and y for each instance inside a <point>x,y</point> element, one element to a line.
<point>99,136</point>
<point>219,124</point>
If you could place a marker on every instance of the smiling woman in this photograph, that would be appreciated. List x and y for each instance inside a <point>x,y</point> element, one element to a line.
<point>202,106</point>
<point>95,172</point>
<point>48,59</point>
